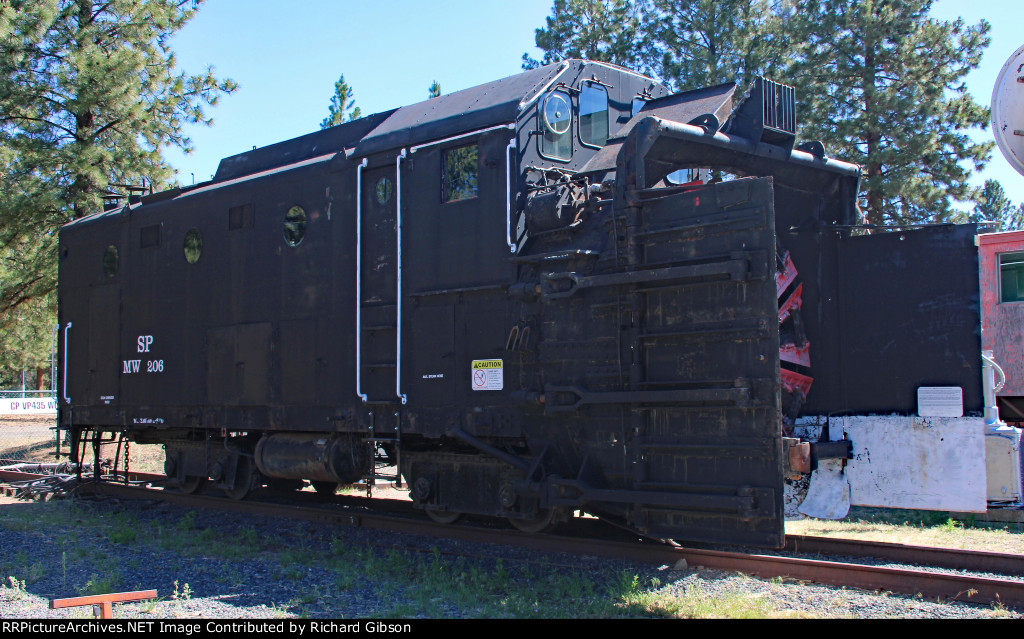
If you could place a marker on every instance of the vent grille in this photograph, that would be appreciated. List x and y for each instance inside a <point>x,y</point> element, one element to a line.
<point>779,107</point>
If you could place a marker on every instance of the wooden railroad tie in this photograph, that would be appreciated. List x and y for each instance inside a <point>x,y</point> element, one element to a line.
<point>103,605</point>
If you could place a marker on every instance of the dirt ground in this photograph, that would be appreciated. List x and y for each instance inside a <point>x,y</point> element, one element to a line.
<point>31,438</point>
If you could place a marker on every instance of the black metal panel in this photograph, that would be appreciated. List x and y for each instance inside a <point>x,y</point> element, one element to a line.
<point>238,368</point>
<point>908,311</point>
<point>714,337</point>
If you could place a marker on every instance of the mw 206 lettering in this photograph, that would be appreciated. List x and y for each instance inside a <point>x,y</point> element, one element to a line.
<point>135,366</point>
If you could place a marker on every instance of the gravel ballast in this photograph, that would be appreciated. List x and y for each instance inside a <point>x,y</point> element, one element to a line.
<point>216,565</point>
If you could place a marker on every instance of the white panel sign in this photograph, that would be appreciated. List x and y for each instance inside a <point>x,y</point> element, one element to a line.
<point>940,401</point>
<point>928,463</point>
<point>28,406</point>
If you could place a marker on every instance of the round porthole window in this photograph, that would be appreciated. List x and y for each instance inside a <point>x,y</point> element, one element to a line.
<point>294,225</point>
<point>384,190</point>
<point>557,113</point>
<point>193,245</point>
<point>110,261</point>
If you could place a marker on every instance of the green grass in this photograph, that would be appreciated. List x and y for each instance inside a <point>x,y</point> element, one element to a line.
<point>102,585</point>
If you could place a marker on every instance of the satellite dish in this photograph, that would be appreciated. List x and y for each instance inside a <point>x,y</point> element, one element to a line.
<point>1008,111</point>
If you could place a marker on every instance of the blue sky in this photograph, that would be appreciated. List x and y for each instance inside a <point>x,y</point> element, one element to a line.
<point>287,56</point>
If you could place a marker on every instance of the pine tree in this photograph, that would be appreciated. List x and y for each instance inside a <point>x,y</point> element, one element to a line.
<point>343,105</point>
<point>603,30</point>
<point>881,84</point>
<point>434,90</point>
<point>993,206</point>
<point>89,96</point>
<point>691,44</point>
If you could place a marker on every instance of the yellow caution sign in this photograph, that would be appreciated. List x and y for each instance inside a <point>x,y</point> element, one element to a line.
<point>488,374</point>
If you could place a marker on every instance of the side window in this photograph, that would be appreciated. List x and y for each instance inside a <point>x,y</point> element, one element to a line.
<point>459,173</point>
<point>556,120</point>
<point>110,261</point>
<point>193,245</point>
<point>594,115</point>
<point>294,225</point>
<point>1011,276</point>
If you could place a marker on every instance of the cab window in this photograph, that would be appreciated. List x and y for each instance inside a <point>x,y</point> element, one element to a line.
<point>593,115</point>
<point>556,122</point>
<point>459,177</point>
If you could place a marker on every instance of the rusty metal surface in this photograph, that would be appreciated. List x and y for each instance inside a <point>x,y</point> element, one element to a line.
<point>971,560</point>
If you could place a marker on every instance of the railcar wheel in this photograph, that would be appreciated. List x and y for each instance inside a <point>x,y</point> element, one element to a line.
<point>192,485</point>
<point>243,479</point>
<point>443,516</point>
<point>545,519</point>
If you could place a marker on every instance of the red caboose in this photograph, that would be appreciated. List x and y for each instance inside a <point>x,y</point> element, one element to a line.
<point>1001,260</point>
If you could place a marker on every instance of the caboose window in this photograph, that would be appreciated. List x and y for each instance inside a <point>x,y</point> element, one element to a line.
<point>594,115</point>
<point>193,245</point>
<point>294,225</point>
<point>556,116</point>
<point>459,178</point>
<point>1011,276</point>
<point>110,261</point>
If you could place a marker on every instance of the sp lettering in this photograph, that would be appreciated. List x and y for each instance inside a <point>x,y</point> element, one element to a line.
<point>144,342</point>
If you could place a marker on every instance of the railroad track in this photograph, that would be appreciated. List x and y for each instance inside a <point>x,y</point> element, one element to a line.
<point>592,537</point>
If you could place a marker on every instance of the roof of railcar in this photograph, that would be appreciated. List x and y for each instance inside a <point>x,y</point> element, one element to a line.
<point>491,104</point>
<point>479,107</point>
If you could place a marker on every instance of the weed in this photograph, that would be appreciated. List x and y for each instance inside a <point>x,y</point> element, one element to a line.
<point>16,590</point>
<point>122,535</point>
<point>999,608</point>
<point>338,546</point>
<point>299,556</point>
<point>188,522</point>
<point>295,573</point>
<point>185,594</point>
<point>148,606</point>
<point>312,595</point>
<point>402,610</point>
<point>249,538</point>
<point>97,585</point>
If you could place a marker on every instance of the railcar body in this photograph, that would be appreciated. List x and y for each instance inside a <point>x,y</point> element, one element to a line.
<point>509,293</point>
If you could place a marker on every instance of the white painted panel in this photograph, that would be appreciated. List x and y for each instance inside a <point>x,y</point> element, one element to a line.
<point>28,406</point>
<point>928,463</point>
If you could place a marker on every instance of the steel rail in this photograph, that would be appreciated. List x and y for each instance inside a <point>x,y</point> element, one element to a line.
<point>971,560</point>
<point>967,588</point>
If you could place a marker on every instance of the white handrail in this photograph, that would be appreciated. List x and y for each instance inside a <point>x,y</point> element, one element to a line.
<point>67,400</point>
<point>398,310</point>
<point>509,240</point>
<point>359,279</point>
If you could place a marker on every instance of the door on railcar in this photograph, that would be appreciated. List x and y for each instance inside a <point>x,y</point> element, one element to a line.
<point>90,360</point>
<point>456,267</point>
<point>378,284</point>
